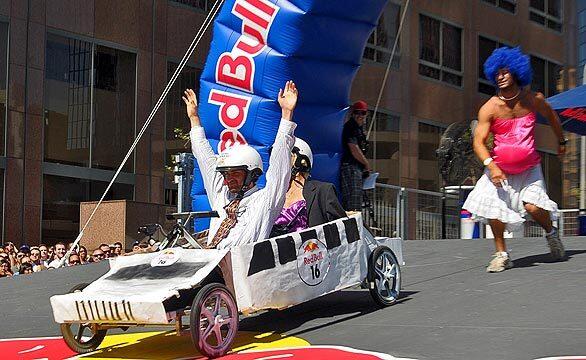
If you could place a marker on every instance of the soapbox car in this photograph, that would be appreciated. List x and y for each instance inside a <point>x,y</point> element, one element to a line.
<point>213,287</point>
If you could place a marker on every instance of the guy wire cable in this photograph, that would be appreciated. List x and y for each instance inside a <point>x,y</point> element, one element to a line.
<point>384,82</point>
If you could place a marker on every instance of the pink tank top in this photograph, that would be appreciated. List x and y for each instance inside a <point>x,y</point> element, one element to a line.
<point>514,144</point>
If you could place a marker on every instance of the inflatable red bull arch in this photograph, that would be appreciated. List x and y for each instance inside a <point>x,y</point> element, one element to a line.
<point>257,46</point>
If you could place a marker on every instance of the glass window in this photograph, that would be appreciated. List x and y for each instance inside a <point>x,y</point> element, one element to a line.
<point>1,205</point>
<point>61,199</point>
<point>582,19</point>
<point>507,5</point>
<point>204,5</point>
<point>485,48</point>
<point>175,117</point>
<point>3,87</point>
<point>85,126</point>
<point>552,172</point>
<point>387,146</point>
<point>427,164</point>
<point>547,76</point>
<point>548,13</point>
<point>440,51</point>
<point>68,65</point>
<point>381,41</point>
<point>114,104</point>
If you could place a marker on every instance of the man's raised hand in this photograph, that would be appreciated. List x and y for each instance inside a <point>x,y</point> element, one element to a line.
<point>190,100</point>
<point>288,100</point>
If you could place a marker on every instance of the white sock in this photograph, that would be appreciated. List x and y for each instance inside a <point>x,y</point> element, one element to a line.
<point>551,232</point>
<point>504,254</point>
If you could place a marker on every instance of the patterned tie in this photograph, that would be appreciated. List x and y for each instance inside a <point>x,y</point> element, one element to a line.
<point>227,224</point>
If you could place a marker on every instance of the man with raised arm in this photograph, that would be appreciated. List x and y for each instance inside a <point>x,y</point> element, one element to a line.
<point>247,214</point>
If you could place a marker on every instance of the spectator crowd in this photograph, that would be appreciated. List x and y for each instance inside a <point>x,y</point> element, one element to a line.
<point>28,259</point>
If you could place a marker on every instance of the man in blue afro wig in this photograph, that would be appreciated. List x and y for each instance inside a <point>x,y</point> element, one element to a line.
<point>513,186</point>
<point>512,59</point>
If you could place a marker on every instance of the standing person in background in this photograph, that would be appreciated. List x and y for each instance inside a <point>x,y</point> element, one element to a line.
<point>44,255</point>
<point>354,162</point>
<point>60,251</point>
<point>512,186</point>
<point>83,255</point>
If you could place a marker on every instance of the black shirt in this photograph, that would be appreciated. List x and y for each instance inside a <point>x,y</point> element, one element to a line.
<point>352,134</point>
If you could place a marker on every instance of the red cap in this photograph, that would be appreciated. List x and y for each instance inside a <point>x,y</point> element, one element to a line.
<point>360,105</point>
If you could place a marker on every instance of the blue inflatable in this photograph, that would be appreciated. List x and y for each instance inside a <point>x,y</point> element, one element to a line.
<point>260,44</point>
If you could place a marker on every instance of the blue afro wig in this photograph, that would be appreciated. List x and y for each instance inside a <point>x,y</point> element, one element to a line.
<point>510,58</point>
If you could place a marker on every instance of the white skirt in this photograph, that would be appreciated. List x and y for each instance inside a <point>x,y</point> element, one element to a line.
<point>506,203</point>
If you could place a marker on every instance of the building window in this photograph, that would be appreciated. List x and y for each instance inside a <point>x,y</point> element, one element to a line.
<point>3,86</point>
<point>1,205</point>
<point>176,123</point>
<point>485,48</point>
<point>61,199</point>
<point>204,5</point>
<point>547,77</point>
<point>84,125</point>
<point>440,51</point>
<point>552,172</point>
<point>381,41</point>
<point>386,139</point>
<point>113,123</point>
<point>547,13</point>
<point>427,164</point>
<point>175,114</point>
<point>507,5</point>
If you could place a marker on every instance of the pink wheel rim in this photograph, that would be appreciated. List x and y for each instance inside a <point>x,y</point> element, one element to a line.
<point>218,322</point>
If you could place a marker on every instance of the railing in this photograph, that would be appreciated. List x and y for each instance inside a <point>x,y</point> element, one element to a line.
<point>420,214</point>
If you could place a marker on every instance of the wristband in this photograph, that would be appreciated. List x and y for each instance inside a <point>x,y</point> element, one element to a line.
<point>487,161</point>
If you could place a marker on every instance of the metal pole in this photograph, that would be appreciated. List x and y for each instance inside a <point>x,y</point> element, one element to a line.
<point>582,172</point>
<point>444,214</point>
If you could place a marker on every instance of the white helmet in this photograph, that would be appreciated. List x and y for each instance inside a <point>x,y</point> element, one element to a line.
<point>243,157</point>
<point>302,150</point>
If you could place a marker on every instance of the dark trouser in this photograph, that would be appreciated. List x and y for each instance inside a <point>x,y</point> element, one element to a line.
<point>351,186</point>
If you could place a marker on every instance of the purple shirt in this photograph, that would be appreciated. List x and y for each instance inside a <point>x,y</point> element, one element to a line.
<point>294,217</point>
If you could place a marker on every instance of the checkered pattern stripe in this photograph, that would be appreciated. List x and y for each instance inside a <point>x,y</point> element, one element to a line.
<point>263,256</point>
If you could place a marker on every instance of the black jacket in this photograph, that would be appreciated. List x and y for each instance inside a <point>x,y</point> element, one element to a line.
<point>322,202</point>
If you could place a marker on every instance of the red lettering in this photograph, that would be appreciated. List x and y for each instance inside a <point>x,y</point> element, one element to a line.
<point>237,72</point>
<point>249,15</point>
<point>267,8</point>
<point>233,108</point>
<point>230,138</point>
<point>253,34</point>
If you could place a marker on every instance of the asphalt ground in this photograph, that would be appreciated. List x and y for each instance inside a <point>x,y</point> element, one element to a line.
<point>450,308</point>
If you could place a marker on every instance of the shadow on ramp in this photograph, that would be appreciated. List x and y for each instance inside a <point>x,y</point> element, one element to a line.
<point>337,307</point>
<point>534,260</point>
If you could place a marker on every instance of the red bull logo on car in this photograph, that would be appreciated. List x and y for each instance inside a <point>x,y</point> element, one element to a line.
<point>313,262</point>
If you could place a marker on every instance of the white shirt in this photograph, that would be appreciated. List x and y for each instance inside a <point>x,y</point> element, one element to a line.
<point>258,209</point>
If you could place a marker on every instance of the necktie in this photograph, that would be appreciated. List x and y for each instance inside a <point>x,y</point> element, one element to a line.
<point>227,224</point>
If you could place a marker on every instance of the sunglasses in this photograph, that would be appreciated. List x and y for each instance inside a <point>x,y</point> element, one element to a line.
<point>19,256</point>
<point>77,262</point>
<point>359,112</point>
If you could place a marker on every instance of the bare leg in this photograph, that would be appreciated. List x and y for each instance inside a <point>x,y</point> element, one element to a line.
<point>540,215</point>
<point>498,230</point>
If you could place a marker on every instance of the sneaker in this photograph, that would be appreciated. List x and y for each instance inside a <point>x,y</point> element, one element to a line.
<point>500,261</point>
<point>556,248</point>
